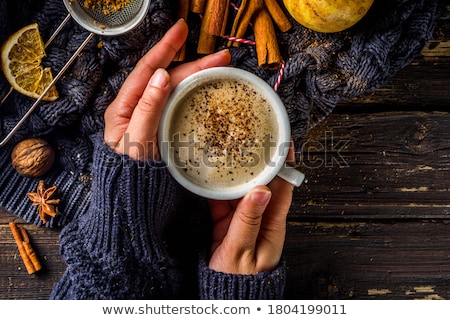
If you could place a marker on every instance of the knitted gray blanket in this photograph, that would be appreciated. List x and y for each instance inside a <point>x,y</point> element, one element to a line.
<point>320,70</point>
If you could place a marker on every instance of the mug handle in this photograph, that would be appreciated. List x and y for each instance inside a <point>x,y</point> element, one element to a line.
<point>291,175</point>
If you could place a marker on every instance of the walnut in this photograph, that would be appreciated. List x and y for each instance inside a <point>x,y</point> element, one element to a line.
<point>32,157</point>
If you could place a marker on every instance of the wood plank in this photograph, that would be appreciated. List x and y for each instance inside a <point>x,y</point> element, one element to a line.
<point>15,282</point>
<point>412,88</point>
<point>363,260</point>
<point>388,165</point>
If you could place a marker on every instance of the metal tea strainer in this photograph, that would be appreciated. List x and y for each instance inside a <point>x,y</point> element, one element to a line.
<point>97,21</point>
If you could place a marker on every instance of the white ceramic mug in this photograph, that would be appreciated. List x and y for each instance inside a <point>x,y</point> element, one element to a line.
<point>274,166</point>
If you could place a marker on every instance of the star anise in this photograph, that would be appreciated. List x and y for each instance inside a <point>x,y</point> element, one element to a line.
<point>42,199</point>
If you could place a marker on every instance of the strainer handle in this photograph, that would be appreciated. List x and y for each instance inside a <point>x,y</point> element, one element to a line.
<point>56,32</point>
<point>39,99</point>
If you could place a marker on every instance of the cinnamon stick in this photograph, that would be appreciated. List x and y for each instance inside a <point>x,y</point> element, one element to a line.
<point>267,50</point>
<point>197,6</point>
<point>278,16</point>
<point>182,13</point>
<point>27,253</point>
<point>238,17</point>
<point>219,17</point>
<point>243,17</point>
<point>206,41</point>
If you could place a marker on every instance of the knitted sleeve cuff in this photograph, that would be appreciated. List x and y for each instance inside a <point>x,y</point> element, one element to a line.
<point>117,246</point>
<point>223,286</point>
<point>131,203</point>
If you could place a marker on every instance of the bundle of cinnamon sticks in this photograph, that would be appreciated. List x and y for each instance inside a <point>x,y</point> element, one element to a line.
<point>262,13</point>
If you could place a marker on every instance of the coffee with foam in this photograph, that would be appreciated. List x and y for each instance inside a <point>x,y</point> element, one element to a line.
<point>224,131</point>
<point>224,134</point>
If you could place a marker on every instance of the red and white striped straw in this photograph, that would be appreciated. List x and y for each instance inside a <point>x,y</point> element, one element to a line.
<point>280,76</point>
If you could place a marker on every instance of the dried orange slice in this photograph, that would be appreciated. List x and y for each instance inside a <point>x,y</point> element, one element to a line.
<point>21,57</point>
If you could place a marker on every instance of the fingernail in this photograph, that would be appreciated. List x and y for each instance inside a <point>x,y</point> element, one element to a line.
<point>222,51</point>
<point>260,196</point>
<point>160,78</point>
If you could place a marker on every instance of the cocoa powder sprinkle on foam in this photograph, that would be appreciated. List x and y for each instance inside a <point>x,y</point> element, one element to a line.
<point>226,118</point>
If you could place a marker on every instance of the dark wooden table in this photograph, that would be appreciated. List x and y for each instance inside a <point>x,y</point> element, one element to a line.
<point>372,221</point>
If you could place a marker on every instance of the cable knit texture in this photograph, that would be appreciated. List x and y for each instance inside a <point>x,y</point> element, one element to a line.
<point>320,70</point>
<point>120,249</point>
<point>222,286</point>
<point>116,250</point>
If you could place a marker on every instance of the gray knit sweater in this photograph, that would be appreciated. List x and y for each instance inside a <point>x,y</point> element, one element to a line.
<point>122,248</point>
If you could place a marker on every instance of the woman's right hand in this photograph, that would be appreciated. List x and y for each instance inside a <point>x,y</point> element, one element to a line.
<point>249,233</point>
<point>132,119</point>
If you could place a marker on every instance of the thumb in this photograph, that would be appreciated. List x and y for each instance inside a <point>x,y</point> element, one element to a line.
<point>140,139</point>
<point>246,222</point>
